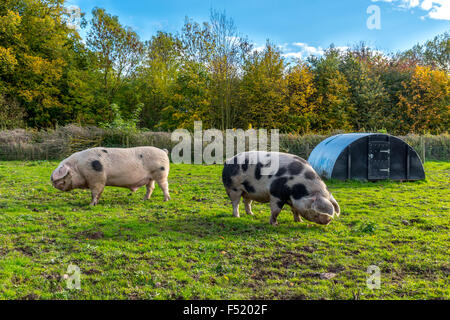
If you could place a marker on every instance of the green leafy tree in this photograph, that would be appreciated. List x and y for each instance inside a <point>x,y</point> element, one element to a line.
<point>368,98</point>
<point>155,82</point>
<point>229,50</point>
<point>300,94</point>
<point>35,45</point>
<point>118,50</point>
<point>263,89</point>
<point>434,53</point>
<point>332,98</point>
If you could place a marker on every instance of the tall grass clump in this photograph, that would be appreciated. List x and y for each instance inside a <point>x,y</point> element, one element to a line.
<point>31,144</point>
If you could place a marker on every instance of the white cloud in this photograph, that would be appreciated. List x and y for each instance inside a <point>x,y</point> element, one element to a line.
<point>294,55</point>
<point>436,9</point>
<point>308,50</point>
<point>257,48</point>
<point>300,50</point>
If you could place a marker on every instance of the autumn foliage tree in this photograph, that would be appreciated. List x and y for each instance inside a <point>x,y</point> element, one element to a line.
<point>425,101</point>
<point>263,89</point>
<point>208,71</point>
<point>118,50</point>
<point>35,44</point>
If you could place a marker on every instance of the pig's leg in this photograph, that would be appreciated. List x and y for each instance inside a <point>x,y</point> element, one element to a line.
<point>150,187</point>
<point>96,191</point>
<point>235,197</point>
<point>164,185</point>
<point>296,215</point>
<point>248,206</point>
<point>274,210</point>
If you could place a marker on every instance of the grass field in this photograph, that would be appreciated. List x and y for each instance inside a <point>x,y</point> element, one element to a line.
<point>192,248</point>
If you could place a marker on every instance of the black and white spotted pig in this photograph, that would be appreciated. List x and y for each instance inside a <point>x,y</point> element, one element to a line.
<point>129,168</point>
<point>278,178</point>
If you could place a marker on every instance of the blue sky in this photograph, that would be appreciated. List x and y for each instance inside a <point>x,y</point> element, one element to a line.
<point>299,27</point>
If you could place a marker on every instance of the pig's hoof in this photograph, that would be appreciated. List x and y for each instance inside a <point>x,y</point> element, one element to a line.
<point>250,213</point>
<point>272,222</point>
<point>166,198</point>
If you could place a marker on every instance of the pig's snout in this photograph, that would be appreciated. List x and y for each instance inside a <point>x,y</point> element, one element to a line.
<point>317,217</point>
<point>324,219</point>
<point>61,184</point>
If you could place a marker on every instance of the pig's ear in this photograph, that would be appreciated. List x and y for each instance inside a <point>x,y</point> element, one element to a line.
<point>60,172</point>
<point>337,209</point>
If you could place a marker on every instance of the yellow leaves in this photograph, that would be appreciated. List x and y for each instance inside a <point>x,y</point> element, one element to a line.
<point>424,100</point>
<point>35,64</point>
<point>28,95</point>
<point>7,59</point>
<point>9,23</point>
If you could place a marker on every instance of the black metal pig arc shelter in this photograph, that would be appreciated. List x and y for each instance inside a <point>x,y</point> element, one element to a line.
<point>366,156</point>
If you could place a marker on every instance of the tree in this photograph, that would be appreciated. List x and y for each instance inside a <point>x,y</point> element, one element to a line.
<point>118,50</point>
<point>189,101</point>
<point>263,89</point>
<point>332,98</point>
<point>35,43</point>
<point>425,102</point>
<point>300,94</point>
<point>229,50</point>
<point>434,53</point>
<point>368,98</point>
<point>157,76</point>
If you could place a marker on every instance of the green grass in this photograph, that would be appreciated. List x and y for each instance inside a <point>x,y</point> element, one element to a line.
<point>192,248</point>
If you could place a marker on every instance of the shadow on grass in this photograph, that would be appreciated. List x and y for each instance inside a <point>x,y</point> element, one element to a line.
<point>191,227</point>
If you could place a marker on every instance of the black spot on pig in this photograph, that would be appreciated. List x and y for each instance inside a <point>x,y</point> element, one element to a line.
<point>248,187</point>
<point>258,171</point>
<point>310,175</point>
<point>229,170</point>
<point>299,191</point>
<point>280,190</point>
<point>245,165</point>
<point>280,204</point>
<point>105,151</point>
<point>295,167</point>
<point>281,171</point>
<point>96,165</point>
<point>140,156</point>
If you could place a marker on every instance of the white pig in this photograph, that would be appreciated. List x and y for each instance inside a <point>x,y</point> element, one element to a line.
<point>129,168</point>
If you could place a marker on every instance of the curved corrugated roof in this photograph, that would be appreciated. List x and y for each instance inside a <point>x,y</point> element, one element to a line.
<point>325,154</point>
